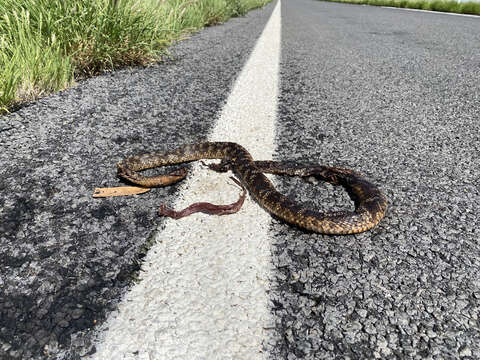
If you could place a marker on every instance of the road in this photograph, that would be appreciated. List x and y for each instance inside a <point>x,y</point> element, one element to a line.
<point>391,93</point>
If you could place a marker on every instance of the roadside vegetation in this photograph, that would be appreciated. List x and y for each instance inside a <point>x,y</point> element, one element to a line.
<point>46,44</point>
<point>432,5</point>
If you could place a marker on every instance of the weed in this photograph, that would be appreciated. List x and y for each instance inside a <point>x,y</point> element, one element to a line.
<point>46,44</point>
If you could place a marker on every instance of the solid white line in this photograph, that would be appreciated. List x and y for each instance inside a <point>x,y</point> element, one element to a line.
<point>429,11</point>
<point>203,289</point>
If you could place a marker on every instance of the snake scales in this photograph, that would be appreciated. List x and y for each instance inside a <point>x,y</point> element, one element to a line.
<point>370,203</point>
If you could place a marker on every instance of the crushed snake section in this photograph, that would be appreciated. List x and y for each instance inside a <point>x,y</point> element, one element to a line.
<point>205,207</point>
<point>370,203</point>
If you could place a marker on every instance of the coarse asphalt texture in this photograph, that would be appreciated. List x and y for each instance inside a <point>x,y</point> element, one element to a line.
<point>396,95</point>
<point>65,257</point>
<point>392,94</point>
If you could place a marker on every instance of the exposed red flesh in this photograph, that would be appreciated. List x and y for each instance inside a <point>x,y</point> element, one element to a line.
<point>205,207</point>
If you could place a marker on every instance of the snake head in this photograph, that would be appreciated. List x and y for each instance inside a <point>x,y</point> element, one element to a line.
<point>124,172</point>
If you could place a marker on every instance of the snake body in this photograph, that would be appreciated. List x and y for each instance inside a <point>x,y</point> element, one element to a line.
<point>370,203</point>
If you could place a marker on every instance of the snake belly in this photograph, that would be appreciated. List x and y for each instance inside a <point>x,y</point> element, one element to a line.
<point>370,203</point>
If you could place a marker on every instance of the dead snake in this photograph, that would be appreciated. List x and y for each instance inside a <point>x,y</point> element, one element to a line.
<point>370,203</point>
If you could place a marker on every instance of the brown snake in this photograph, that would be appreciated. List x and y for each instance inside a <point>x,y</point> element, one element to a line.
<point>370,203</point>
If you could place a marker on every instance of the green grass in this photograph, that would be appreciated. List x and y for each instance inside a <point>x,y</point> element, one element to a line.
<point>46,44</point>
<point>435,5</point>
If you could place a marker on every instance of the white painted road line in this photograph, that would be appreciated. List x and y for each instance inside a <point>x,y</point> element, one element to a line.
<point>431,12</point>
<point>203,289</point>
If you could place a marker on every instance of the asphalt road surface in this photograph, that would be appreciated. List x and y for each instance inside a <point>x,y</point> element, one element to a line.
<point>394,94</point>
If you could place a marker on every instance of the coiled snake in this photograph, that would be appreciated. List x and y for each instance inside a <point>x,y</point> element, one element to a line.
<point>370,203</point>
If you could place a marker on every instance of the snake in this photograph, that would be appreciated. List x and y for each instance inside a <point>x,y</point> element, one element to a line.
<point>370,203</point>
